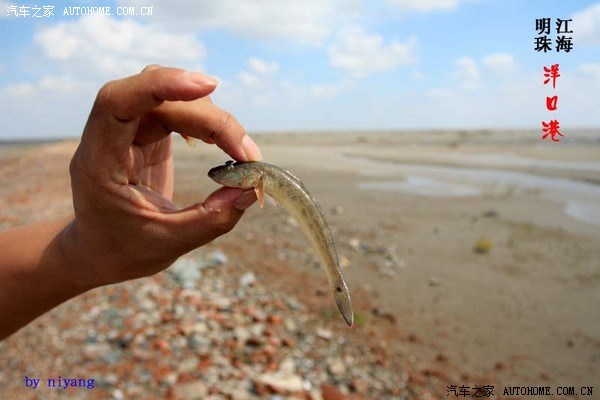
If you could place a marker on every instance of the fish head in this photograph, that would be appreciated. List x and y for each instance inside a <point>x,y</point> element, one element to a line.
<point>243,175</point>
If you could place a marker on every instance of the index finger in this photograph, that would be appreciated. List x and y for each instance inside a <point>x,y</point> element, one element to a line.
<point>113,121</point>
<point>203,120</point>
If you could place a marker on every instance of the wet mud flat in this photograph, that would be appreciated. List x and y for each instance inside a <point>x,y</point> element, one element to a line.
<point>465,268</point>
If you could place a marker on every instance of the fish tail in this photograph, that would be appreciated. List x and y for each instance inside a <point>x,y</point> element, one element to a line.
<point>344,304</point>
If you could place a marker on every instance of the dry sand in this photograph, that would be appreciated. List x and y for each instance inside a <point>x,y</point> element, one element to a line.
<point>407,210</point>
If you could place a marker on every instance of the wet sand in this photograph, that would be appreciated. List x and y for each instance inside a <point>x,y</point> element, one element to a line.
<point>473,256</point>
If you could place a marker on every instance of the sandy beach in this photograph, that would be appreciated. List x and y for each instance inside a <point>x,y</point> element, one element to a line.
<point>473,258</point>
<point>527,304</point>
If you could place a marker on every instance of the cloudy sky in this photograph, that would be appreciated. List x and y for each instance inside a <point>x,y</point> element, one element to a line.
<point>309,64</point>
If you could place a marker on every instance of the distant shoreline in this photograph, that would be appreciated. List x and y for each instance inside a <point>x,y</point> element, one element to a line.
<point>33,141</point>
<point>586,134</point>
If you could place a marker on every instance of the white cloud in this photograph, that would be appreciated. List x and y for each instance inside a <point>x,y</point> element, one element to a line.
<point>307,22</point>
<point>21,89</point>
<point>260,84</point>
<point>262,97</point>
<point>259,72</point>
<point>51,106</point>
<point>262,67</point>
<point>361,53</point>
<point>500,63</point>
<point>249,79</point>
<point>423,5</point>
<point>518,101</point>
<point>417,75</point>
<point>586,26</point>
<point>470,72</point>
<point>467,72</point>
<point>46,85</point>
<point>590,70</point>
<point>284,104</point>
<point>324,90</point>
<point>3,10</point>
<point>440,93</point>
<point>78,56</point>
<point>329,90</point>
<point>113,48</point>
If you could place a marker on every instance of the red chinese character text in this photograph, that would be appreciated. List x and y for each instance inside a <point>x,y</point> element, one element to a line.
<point>551,129</point>
<point>551,103</point>
<point>551,74</point>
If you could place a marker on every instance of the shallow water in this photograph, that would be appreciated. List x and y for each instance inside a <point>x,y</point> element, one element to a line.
<point>501,160</point>
<point>581,199</point>
<point>423,187</point>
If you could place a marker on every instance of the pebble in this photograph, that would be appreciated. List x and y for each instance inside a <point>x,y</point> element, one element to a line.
<point>293,303</point>
<point>291,221</point>
<point>282,381</point>
<point>354,243</point>
<point>186,272</point>
<point>247,279</point>
<point>288,365</point>
<point>198,342</point>
<point>433,281</point>
<point>336,367</point>
<point>241,333</point>
<point>344,262</point>
<point>331,393</point>
<point>360,386</point>
<point>482,246</point>
<point>215,258</point>
<point>490,214</point>
<point>223,336</point>
<point>337,210</point>
<point>324,333</point>
<point>222,303</point>
<point>189,391</point>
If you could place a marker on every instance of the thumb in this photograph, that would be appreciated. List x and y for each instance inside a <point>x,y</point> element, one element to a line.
<point>202,223</point>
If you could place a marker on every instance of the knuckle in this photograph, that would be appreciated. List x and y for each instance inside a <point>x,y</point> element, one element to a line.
<point>151,67</point>
<point>109,99</point>
<point>227,123</point>
<point>74,166</point>
<point>103,98</point>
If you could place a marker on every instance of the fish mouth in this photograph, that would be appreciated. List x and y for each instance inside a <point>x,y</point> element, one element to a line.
<point>213,172</point>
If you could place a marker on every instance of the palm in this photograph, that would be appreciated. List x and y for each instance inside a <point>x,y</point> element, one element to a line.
<point>150,168</point>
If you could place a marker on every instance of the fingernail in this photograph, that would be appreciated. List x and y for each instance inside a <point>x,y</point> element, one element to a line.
<point>251,149</point>
<point>201,79</point>
<point>245,200</point>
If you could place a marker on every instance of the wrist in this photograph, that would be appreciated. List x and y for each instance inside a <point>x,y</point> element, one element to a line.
<point>38,271</point>
<point>77,261</point>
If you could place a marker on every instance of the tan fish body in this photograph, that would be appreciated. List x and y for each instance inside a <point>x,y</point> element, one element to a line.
<point>289,191</point>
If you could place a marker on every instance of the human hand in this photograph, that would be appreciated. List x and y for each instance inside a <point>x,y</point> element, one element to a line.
<point>125,224</point>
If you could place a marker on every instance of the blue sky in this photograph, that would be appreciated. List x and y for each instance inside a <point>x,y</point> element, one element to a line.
<point>288,65</point>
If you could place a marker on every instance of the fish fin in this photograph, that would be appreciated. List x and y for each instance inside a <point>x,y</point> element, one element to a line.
<point>260,193</point>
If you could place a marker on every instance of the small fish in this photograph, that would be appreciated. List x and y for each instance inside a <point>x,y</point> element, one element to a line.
<point>289,191</point>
